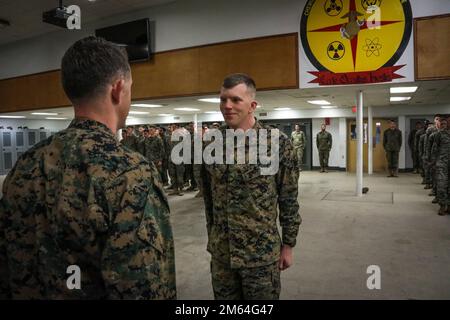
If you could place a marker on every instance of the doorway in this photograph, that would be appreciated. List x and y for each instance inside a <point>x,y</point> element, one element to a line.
<point>379,157</point>
<point>287,126</point>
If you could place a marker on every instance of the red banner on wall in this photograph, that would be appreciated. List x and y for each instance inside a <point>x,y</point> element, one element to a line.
<point>327,78</point>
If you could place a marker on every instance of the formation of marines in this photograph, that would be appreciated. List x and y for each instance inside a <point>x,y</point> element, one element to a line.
<point>431,154</point>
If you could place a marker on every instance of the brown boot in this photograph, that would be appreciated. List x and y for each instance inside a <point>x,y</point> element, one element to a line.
<point>395,173</point>
<point>390,174</point>
<point>435,200</point>
<point>442,210</point>
<point>428,186</point>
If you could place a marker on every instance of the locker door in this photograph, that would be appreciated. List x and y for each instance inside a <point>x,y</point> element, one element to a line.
<point>32,138</point>
<point>7,158</point>
<point>43,134</point>
<point>21,143</point>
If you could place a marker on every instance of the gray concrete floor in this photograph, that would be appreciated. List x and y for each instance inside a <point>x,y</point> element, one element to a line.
<point>397,229</point>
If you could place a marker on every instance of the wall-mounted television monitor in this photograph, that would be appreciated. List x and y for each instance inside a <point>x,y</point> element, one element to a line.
<point>134,36</point>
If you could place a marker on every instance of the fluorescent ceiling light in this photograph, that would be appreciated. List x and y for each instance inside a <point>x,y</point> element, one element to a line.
<point>404,89</point>
<point>13,117</point>
<point>282,109</point>
<point>186,109</point>
<point>328,107</point>
<point>398,99</point>
<point>211,100</point>
<point>319,102</point>
<point>145,105</point>
<point>213,112</point>
<point>44,114</point>
<point>138,112</point>
<point>165,115</point>
<point>53,118</point>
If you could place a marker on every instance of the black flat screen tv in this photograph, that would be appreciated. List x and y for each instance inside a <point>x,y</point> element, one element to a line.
<point>133,35</point>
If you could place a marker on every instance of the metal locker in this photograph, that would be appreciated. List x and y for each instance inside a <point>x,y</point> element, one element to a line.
<point>21,142</point>
<point>7,143</point>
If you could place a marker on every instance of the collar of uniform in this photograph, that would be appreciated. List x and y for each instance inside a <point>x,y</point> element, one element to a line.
<point>258,125</point>
<point>89,124</point>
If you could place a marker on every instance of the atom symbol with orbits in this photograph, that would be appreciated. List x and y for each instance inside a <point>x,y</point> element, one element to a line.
<point>372,47</point>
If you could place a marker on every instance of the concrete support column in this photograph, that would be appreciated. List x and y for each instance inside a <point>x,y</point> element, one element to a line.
<point>370,140</point>
<point>359,142</point>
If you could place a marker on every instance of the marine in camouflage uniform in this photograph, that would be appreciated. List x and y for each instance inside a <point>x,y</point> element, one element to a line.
<point>154,151</point>
<point>176,171</point>
<point>411,139</point>
<point>422,141</point>
<point>392,142</point>
<point>165,164</point>
<point>418,156</point>
<point>298,138</point>
<point>441,148</point>
<point>130,140</point>
<point>80,198</point>
<point>241,218</point>
<point>432,151</point>
<point>324,142</point>
<point>426,157</point>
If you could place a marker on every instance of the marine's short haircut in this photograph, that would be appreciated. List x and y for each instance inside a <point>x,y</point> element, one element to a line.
<point>235,79</point>
<point>437,116</point>
<point>91,64</point>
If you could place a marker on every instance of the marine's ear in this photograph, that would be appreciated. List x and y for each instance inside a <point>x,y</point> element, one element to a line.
<point>117,89</point>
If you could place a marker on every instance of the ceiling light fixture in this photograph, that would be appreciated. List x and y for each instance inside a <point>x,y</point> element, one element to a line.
<point>44,114</point>
<point>328,107</point>
<point>138,112</point>
<point>210,100</point>
<point>165,114</point>
<point>145,105</point>
<point>282,109</point>
<point>319,102</point>
<point>213,112</point>
<point>53,118</point>
<point>13,117</point>
<point>399,99</point>
<point>186,109</point>
<point>404,89</point>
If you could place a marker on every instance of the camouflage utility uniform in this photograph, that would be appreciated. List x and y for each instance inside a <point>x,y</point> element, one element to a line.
<point>432,155</point>
<point>154,152</point>
<point>241,219</point>
<point>80,198</point>
<point>176,171</point>
<point>324,142</point>
<point>411,138</point>
<point>426,157</point>
<point>299,143</point>
<point>392,142</point>
<point>442,150</point>
<point>130,142</point>
<point>417,154</point>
